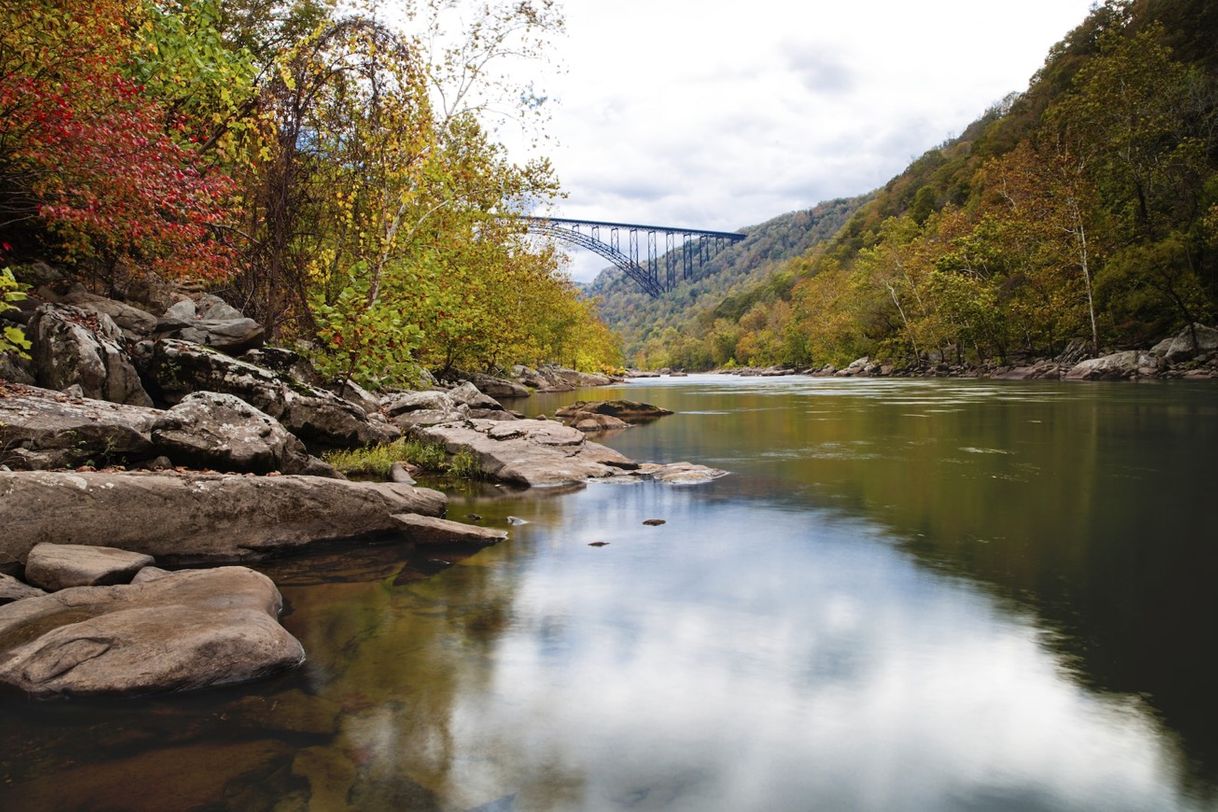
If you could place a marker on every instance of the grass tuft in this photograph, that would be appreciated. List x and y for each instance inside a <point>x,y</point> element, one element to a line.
<point>375,461</point>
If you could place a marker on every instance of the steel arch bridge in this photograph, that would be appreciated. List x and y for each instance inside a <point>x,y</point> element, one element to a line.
<point>640,257</point>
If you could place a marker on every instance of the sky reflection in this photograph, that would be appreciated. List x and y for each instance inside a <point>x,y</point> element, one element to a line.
<point>746,656</point>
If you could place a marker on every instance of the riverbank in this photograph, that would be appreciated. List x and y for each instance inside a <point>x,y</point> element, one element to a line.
<point>1173,358</point>
<point>134,445</point>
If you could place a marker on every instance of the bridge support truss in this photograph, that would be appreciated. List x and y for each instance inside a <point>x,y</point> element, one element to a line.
<point>641,259</point>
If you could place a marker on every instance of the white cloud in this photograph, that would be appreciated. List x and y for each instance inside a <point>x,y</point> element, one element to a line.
<point>711,115</point>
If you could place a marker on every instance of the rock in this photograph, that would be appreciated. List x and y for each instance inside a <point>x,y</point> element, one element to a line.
<point>469,395</point>
<point>149,574</point>
<point>13,590</point>
<point>398,473</point>
<point>1041,370</point>
<point>135,323</point>
<point>189,518</point>
<point>495,387</point>
<point>213,430</point>
<point>314,415</point>
<point>184,310</point>
<point>654,522</point>
<point>352,392</point>
<point>285,363</point>
<point>515,520</point>
<point>212,322</point>
<point>628,411</point>
<point>44,429</point>
<point>430,417</point>
<point>591,423</point>
<point>1117,366</point>
<point>598,544</point>
<point>213,308</point>
<point>234,335</point>
<point>431,530</point>
<point>76,346</point>
<point>1180,348</point>
<point>16,370</point>
<point>59,566</point>
<point>677,473</point>
<point>185,630</point>
<point>36,274</point>
<point>559,379</point>
<point>528,452</point>
<point>403,402</point>
<point>857,367</point>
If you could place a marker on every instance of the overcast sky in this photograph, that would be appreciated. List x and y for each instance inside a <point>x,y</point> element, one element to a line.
<point>722,115</point>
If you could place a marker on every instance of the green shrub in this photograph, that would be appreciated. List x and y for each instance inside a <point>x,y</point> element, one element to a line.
<point>375,461</point>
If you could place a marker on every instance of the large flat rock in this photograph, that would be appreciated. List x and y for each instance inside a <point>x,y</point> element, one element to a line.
<point>529,452</point>
<point>430,530</point>
<point>185,518</point>
<point>181,631</point>
<point>59,566</point>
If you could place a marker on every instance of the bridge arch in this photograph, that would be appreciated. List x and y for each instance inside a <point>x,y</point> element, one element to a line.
<point>685,247</point>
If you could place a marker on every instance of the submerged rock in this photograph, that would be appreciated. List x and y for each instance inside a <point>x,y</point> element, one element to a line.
<point>624,411</point>
<point>181,631</point>
<point>432,530</point>
<point>59,566</point>
<point>187,518</point>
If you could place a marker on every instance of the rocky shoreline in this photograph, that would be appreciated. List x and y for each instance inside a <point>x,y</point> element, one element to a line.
<point>134,446</point>
<point>1173,358</point>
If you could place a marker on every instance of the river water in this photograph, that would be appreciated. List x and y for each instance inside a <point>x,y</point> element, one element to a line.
<point>908,594</point>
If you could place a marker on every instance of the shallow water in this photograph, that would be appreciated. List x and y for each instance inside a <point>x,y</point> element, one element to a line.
<point>907,594</point>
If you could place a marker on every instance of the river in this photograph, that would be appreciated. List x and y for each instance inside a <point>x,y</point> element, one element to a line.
<point>908,594</point>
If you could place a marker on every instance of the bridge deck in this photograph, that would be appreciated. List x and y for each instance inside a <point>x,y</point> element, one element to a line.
<point>694,232</point>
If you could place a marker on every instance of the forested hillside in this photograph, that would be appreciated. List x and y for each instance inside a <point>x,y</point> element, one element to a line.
<point>1084,208</point>
<point>654,326</point>
<point>325,167</point>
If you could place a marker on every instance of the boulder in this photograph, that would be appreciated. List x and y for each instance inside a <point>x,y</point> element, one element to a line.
<point>431,417</point>
<point>286,363</point>
<point>188,518</point>
<point>403,402</point>
<point>628,411</point>
<point>352,392</point>
<point>15,370</point>
<point>496,387</point>
<point>591,423</point>
<point>13,590</point>
<point>430,530</point>
<point>42,429</point>
<point>135,323</point>
<point>314,415</point>
<point>59,566</point>
<point>1181,348</point>
<point>857,367</point>
<point>185,630</point>
<point>1117,366</point>
<point>529,452</point>
<point>398,473</point>
<point>72,345</point>
<point>214,430</point>
<point>230,335</point>
<point>212,322</point>
<point>469,395</point>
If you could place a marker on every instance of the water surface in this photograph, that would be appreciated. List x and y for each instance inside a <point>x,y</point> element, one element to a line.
<point>907,594</point>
